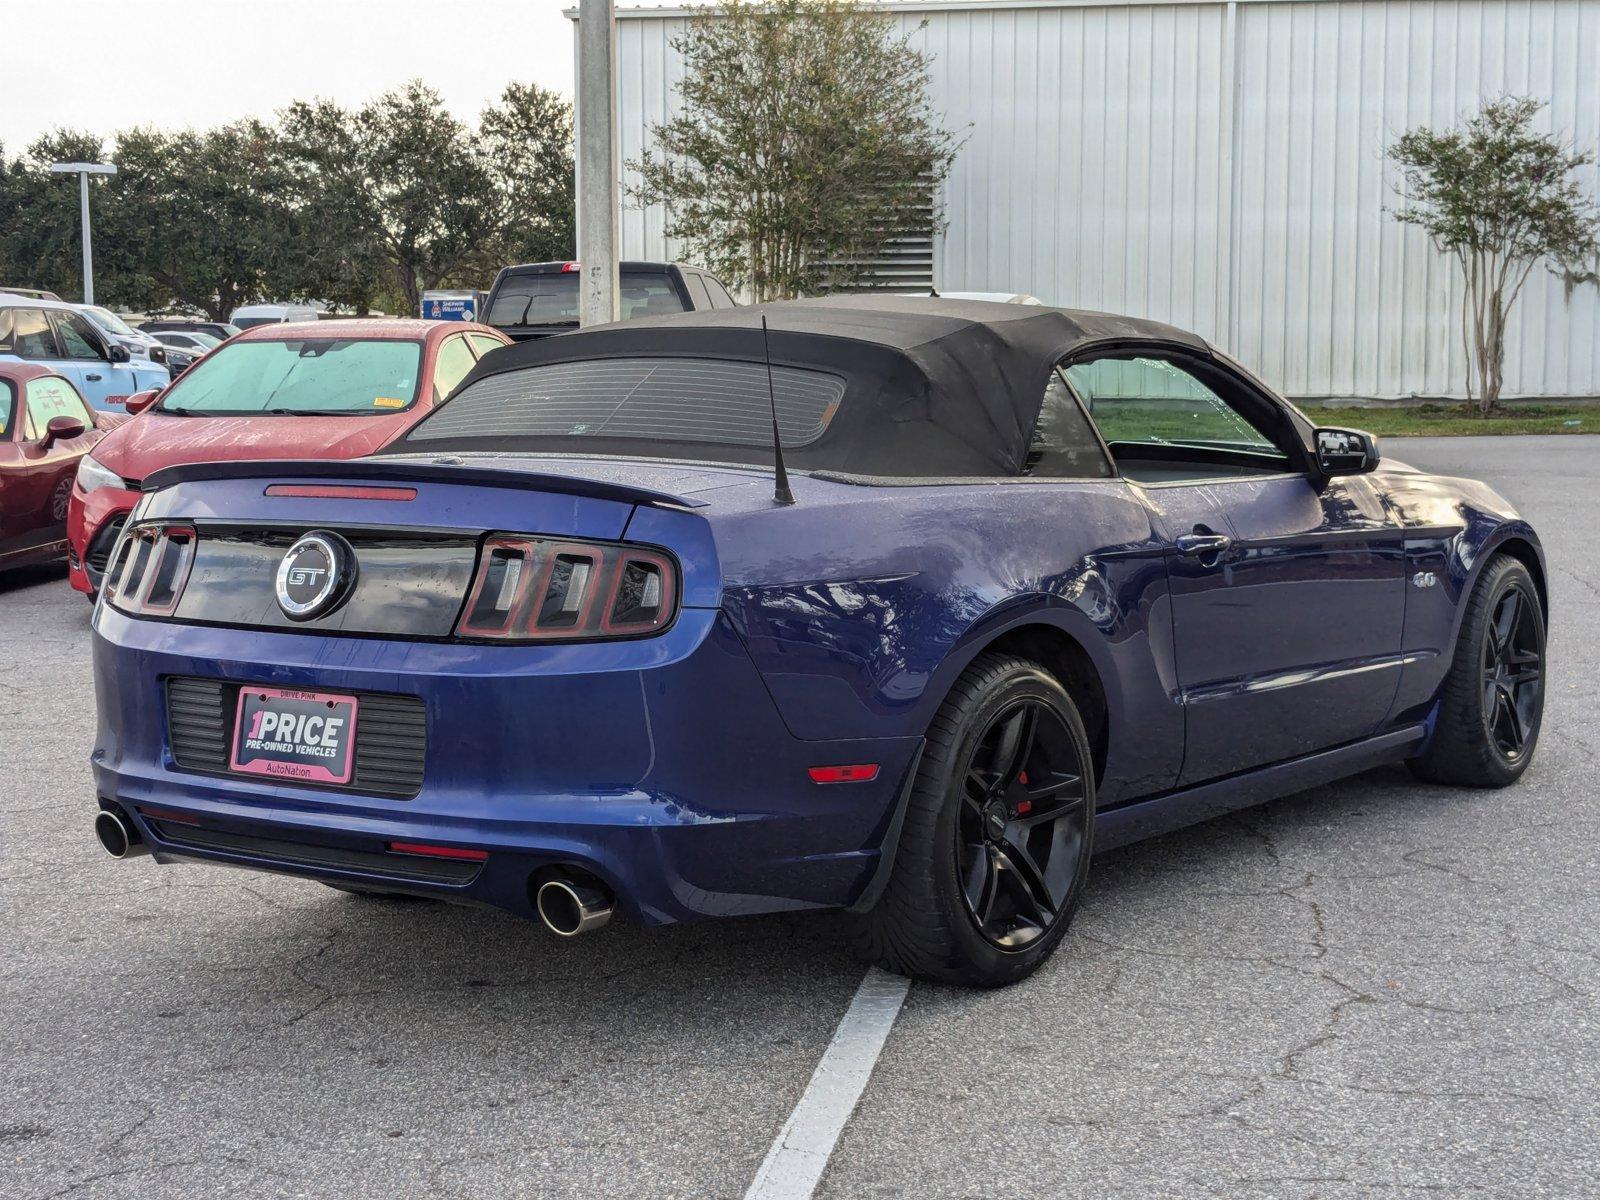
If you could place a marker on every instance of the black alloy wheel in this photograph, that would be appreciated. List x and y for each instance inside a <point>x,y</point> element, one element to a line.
<point>997,833</point>
<point>1513,672</point>
<point>1022,824</point>
<point>1492,701</point>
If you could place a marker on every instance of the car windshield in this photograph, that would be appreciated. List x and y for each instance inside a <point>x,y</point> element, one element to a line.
<point>300,375</point>
<point>110,322</point>
<point>552,299</point>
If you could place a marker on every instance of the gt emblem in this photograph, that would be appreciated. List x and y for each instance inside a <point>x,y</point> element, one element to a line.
<point>315,576</point>
<point>1424,579</point>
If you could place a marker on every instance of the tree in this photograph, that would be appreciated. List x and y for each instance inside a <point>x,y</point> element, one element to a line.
<point>401,183</point>
<point>200,217</point>
<point>41,237</point>
<point>526,142</point>
<point>1500,199</point>
<point>804,145</point>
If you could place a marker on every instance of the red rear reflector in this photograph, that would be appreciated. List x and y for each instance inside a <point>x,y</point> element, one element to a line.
<point>855,773</point>
<point>428,851</point>
<point>166,814</point>
<point>312,491</point>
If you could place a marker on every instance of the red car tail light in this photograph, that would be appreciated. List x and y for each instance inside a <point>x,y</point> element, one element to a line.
<point>543,589</point>
<point>150,568</point>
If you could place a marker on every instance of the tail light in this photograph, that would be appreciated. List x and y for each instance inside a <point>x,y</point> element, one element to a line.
<point>150,568</point>
<point>542,589</point>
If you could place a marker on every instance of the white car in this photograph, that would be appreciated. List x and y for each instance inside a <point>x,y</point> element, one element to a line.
<point>272,314</point>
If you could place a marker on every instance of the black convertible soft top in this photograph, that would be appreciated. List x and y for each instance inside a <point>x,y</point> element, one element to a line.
<point>930,387</point>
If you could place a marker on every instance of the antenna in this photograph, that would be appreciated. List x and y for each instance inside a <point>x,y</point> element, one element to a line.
<point>780,479</point>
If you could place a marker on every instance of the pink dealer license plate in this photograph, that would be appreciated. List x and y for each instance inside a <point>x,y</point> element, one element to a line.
<point>287,734</point>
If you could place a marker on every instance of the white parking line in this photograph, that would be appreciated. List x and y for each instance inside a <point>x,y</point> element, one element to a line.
<point>800,1153</point>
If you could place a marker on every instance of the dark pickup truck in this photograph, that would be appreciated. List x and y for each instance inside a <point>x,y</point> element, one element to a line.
<point>539,299</point>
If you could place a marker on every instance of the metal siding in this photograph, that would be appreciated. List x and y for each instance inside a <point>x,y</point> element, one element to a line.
<point>1221,167</point>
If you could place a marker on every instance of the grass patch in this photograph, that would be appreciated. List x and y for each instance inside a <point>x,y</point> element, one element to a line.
<point>1455,420</point>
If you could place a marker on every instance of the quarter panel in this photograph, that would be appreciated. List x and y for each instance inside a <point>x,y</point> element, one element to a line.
<point>861,606</point>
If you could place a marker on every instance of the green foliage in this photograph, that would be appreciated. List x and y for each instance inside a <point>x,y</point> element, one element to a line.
<point>804,144</point>
<point>400,181</point>
<point>526,142</point>
<point>1501,199</point>
<point>1456,420</point>
<point>362,209</point>
<point>196,218</point>
<point>39,244</point>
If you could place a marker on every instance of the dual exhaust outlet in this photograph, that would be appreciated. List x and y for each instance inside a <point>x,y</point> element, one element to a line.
<point>568,903</point>
<point>118,836</point>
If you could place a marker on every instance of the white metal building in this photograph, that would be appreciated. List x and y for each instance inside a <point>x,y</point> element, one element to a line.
<point>1221,166</point>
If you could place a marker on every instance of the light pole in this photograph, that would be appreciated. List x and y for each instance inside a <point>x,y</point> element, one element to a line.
<point>83,171</point>
<point>597,162</point>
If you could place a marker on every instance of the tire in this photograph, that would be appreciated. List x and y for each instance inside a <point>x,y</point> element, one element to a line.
<point>1492,701</point>
<point>1018,851</point>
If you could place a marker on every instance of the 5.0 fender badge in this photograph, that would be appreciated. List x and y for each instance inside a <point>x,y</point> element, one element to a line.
<point>315,576</point>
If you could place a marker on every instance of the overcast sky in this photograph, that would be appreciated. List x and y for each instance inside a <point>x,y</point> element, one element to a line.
<point>104,65</point>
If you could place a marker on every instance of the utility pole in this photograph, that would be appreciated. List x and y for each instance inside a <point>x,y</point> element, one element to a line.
<point>83,171</point>
<point>598,205</point>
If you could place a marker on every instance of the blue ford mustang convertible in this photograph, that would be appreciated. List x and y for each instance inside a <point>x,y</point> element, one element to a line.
<point>1046,582</point>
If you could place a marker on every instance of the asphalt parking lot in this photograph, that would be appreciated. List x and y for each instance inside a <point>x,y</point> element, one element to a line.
<point>1374,988</point>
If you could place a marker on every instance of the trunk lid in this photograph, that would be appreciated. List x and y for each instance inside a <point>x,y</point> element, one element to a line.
<point>417,530</point>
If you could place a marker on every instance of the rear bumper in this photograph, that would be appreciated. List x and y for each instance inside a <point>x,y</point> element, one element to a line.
<point>660,765</point>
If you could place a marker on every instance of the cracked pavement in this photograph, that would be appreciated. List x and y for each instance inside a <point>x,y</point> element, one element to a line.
<point>1375,988</point>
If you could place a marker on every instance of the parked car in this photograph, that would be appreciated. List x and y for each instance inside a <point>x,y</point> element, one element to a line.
<point>57,336</point>
<point>535,300</point>
<point>185,349</point>
<point>278,391</point>
<point>180,339</point>
<point>221,330</point>
<point>250,315</point>
<point>139,344</point>
<point>570,644</point>
<point>45,429</point>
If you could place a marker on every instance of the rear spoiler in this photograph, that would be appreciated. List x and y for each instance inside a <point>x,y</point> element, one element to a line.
<point>419,472</point>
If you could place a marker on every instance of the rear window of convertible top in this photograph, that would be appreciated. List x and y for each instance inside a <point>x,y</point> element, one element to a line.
<point>702,400</point>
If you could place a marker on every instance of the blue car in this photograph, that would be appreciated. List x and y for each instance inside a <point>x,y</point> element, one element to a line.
<point>57,336</point>
<point>1030,583</point>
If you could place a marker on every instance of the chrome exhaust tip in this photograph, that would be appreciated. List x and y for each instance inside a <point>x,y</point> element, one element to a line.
<point>569,906</point>
<point>117,835</point>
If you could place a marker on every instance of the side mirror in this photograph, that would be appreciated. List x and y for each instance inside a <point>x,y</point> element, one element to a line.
<point>140,401</point>
<point>61,429</point>
<point>118,353</point>
<point>1345,451</point>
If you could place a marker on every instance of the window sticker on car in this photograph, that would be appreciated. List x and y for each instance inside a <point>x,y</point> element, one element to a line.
<point>388,402</point>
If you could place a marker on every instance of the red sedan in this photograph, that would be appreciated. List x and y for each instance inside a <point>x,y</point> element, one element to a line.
<point>315,390</point>
<point>45,430</point>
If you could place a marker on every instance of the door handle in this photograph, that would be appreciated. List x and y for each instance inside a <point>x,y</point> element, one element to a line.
<point>1198,545</point>
<point>92,378</point>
